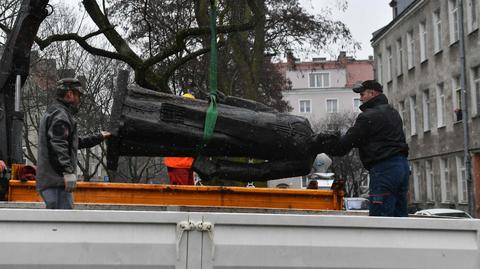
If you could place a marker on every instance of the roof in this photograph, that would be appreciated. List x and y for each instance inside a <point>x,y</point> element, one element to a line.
<point>382,30</point>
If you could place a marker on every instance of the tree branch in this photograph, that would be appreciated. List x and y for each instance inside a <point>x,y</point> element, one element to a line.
<point>179,44</point>
<point>111,34</point>
<point>5,28</point>
<point>143,76</point>
<point>65,37</point>
<point>172,67</point>
<point>82,41</point>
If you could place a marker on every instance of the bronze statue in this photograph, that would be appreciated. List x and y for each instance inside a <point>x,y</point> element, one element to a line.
<point>148,123</point>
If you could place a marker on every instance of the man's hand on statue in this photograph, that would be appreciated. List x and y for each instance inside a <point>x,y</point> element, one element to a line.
<point>106,135</point>
<point>324,141</point>
<point>3,166</point>
<point>327,137</point>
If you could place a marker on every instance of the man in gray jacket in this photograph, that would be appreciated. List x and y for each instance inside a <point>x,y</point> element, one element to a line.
<point>58,143</point>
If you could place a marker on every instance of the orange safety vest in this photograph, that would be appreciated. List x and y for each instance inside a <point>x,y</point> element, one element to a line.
<point>178,162</point>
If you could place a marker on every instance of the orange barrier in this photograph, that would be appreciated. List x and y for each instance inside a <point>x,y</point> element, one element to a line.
<point>149,194</point>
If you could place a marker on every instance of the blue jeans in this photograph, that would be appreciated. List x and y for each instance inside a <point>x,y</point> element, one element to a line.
<point>389,187</point>
<point>57,198</point>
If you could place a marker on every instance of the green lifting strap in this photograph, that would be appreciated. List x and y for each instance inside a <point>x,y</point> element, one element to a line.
<point>212,113</point>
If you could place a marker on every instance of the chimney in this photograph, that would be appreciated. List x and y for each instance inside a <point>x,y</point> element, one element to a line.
<point>370,58</point>
<point>394,6</point>
<point>290,60</point>
<point>342,57</point>
<point>268,57</point>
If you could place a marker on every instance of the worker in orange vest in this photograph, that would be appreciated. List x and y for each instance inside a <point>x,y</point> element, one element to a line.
<point>180,168</point>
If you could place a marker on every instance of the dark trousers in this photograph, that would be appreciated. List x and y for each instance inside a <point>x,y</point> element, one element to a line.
<point>57,198</point>
<point>389,187</point>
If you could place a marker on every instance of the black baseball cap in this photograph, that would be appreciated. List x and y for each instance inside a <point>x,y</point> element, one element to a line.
<point>368,85</point>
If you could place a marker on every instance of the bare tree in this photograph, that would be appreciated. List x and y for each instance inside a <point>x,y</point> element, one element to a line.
<point>8,12</point>
<point>245,69</point>
<point>174,33</point>
<point>348,167</point>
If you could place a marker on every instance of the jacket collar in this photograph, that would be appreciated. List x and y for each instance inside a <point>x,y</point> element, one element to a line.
<point>375,101</point>
<point>67,106</point>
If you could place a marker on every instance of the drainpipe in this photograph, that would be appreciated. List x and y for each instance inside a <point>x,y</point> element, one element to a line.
<point>466,131</point>
<point>17,124</point>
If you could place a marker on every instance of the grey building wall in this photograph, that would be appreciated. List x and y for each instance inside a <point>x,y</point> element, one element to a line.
<point>434,142</point>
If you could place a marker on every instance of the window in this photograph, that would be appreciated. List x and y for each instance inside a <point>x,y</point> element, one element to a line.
<point>410,50</point>
<point>319,80</point>
<point>389,63</point>
<point>399,57</point>
<point>472,15</point>
<point>379,69</point>
<point>426,110</point>
<point>416,182</point>
<point>332,105</point>
<point>429,180</point>
<point>453,20</point>
<point>457,98</point>
<point>445,180</point>
<point>475,78</point>
<point>461,180</point>
<point>423,41</point>
<point>356,104</point>
<point>437,31</point>
<point>440,105</point>
<point>305,106</point>
<point>413,110</point>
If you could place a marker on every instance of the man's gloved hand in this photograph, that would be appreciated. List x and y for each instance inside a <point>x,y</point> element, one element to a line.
<point>70,182</point>
<point>324,141</point>
<point>327,136</point>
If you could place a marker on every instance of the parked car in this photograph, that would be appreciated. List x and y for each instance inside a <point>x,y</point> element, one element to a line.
<point>443,213</point>
<point>358,204</point>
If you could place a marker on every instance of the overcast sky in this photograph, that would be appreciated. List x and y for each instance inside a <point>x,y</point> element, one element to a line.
<point>363,17</point>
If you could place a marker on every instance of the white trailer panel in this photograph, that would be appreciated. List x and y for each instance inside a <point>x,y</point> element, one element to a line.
<point>89,239</point>
<point>125,239</point>
<point>341,242</point>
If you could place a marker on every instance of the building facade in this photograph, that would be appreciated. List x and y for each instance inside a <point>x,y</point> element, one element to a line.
<point>320,88</point>
<point>417,59</point>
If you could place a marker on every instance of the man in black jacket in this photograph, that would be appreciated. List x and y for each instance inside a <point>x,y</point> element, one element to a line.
<point>378,134</point>
<point>58,143</point>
